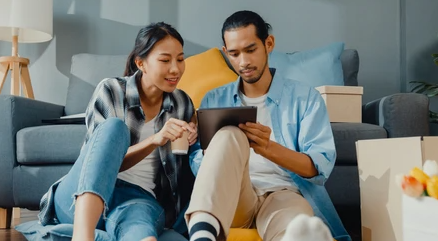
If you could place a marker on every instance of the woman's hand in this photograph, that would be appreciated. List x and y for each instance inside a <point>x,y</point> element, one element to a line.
<point>193,136</point>
<point>172,130</point>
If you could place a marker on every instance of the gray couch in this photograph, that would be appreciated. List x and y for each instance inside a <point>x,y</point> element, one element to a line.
<point>34,155</point>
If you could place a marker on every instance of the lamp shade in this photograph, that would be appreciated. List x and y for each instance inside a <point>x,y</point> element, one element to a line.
<point>31,20</point>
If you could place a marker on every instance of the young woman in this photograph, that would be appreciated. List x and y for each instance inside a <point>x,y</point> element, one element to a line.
<point>125,180</point>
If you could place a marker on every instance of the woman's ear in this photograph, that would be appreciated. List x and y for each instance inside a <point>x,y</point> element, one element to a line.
<point>140,64</point>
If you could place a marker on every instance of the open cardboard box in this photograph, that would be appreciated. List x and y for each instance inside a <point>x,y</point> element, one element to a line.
<point>344,103</point>
<point>420,217</point>
<point>379,162</point>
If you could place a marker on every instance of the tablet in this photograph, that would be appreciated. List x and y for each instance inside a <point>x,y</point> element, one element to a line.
<point>212,119</point>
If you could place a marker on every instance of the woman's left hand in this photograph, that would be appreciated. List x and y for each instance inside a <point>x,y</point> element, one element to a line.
<point>193,136</point>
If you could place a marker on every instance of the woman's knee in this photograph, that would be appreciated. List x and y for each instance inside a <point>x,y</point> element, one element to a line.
<point>116,127</point>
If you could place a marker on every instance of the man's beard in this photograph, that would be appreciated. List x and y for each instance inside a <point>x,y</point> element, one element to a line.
<point>256,78</point>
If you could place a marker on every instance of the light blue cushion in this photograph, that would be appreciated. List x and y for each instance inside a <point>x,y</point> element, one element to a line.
<point>316,67</point>
<point>33,231</point>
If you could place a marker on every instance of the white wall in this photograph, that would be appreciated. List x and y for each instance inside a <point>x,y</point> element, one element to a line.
<point>374,27</point>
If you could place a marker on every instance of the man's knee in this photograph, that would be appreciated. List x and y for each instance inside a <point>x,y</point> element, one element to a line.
<point>230,133</point>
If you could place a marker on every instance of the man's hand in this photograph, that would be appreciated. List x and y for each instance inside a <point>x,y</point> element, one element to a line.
<point>259,136</point>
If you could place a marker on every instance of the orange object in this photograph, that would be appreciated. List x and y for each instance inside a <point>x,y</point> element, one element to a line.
<point>412,187</point>
<point>419,175</point>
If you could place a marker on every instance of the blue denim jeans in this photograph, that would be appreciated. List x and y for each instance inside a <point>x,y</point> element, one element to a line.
<point>131,213</point>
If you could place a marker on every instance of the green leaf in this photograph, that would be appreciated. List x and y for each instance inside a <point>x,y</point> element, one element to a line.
<point>426,89</point>
<point>416,88</point>
<point>419,82</point>
<point>433,114</point>
<point>432,93</point>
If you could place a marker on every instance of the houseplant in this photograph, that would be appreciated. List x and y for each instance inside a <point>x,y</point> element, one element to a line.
<point>429,89</point>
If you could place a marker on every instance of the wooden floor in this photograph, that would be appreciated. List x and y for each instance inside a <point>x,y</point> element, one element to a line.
<point>11,234</point>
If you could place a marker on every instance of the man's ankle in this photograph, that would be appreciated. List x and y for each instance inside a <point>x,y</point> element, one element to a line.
<point>203,225</point>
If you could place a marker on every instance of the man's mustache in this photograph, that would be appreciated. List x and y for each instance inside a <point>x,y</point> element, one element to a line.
<point>247,69</point>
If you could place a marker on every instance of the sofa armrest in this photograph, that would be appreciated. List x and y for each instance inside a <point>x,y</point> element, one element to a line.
<point>16,114</point>
<point>401,115</point>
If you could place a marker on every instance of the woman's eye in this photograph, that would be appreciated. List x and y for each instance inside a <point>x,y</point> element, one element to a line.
<point>164,60</point>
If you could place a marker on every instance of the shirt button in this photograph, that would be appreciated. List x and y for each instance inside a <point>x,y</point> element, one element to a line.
<point>174,194</point>
<point>164,163</point>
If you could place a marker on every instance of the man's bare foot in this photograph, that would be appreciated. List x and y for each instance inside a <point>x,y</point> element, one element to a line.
<point>306,228</point>
<point>149,239</point>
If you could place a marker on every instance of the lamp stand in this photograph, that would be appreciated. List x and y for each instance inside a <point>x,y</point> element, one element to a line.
<point>19,71</point>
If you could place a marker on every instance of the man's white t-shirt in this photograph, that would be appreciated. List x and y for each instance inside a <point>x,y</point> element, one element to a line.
<point>266,176</point>
<point>143,173</point>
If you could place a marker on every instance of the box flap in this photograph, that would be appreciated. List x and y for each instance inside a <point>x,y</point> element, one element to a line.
<point>332,89</point>
<point>430,148</point>
<point>379,161</point>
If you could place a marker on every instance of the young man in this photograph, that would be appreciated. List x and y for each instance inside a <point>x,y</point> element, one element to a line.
<point>268,173</point>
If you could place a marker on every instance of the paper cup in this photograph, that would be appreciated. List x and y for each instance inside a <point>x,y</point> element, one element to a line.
<point>180,146</point>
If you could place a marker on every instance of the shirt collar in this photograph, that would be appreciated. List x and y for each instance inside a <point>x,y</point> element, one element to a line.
<point>133,97</point>
<point>274,92</point>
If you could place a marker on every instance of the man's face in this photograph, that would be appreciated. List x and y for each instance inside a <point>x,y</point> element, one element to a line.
<point>247,53</point>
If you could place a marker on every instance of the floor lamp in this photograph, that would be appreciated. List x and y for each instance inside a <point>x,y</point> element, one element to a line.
<point>23,21</point>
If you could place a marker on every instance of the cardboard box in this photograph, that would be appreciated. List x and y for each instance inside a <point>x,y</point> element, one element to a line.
<point>344,103</point>
<point>420,216</point>
<point>379,162</point>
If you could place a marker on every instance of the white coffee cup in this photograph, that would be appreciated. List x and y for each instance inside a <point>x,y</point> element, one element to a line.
<point>180,146</point>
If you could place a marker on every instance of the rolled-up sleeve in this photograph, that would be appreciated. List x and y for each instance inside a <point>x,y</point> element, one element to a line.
<point>315,138</point>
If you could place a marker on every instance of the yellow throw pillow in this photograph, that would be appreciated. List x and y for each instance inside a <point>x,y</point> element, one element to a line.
<point>204,72</point>
<point>243,234</point>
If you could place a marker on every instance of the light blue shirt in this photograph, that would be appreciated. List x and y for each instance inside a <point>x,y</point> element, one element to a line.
<point>300,122</point>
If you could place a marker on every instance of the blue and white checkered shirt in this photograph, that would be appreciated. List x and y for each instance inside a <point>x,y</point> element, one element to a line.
<point>119,97</point>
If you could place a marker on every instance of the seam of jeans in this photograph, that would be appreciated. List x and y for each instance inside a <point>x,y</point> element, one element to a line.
<point>84,169</point>
<point>159,217</point>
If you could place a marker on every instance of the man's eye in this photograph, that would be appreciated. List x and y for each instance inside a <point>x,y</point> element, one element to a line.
<point>234,55</point>
<point>250,50</point>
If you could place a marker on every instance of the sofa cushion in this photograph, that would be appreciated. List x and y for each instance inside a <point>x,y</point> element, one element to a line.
<point>316,67</point>
<point>350,66</point>
<point>87,70</point>
<point>204,72</point>
<point>346,135</point>
<point>51,144</point>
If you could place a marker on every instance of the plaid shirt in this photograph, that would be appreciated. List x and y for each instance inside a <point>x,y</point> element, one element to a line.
<point>119,97</point>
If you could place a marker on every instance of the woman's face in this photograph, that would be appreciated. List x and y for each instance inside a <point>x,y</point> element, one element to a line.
<point>164,65</point>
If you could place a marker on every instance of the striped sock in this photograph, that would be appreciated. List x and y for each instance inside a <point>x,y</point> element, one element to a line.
<point>203,227</point>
